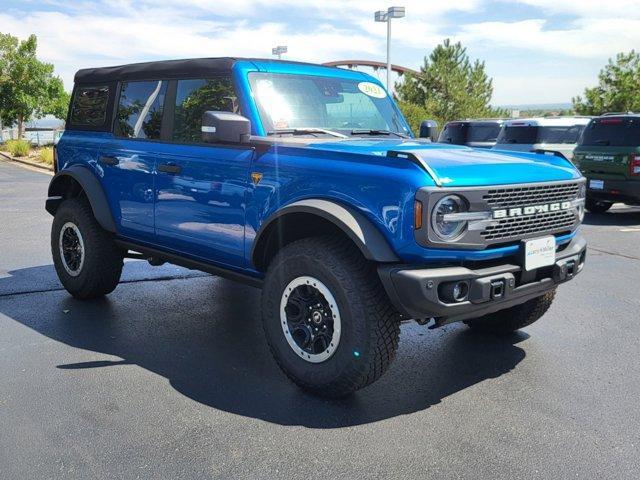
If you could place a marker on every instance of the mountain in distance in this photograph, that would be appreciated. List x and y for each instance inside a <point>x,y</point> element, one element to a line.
<point>539,106</point>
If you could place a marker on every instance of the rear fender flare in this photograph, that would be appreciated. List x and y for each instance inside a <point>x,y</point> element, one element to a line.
<point>59,191</point>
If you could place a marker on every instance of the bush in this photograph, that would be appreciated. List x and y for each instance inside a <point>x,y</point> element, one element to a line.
<point>18,148</point>
<point>45,155</point>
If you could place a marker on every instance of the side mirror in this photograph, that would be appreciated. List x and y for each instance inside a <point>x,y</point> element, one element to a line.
<point>429,129</point>
<point>225,127</point>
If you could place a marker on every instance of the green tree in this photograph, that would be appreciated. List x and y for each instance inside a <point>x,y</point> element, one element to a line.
<point>28,86</point>
<point>618,87</point>
<point>450,87</point>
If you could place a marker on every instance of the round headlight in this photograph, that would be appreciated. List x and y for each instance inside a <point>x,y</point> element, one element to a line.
<point>448,230</point>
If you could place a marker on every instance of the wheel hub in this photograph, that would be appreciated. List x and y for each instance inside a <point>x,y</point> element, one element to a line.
<point>310,319</point>
<point>71,247</point>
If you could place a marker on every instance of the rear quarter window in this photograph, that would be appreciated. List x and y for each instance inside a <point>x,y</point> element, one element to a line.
<point>612,132</point>
<point>455,133</point>
<point>89,106</point>
<point>524,134</point>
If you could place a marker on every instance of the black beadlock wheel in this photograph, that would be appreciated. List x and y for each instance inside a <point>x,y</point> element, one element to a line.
<point>86,258</point>
<point>511,319</point>
<point>327,318</point>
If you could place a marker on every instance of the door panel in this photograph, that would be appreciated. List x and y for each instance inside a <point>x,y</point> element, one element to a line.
<point>200,201</point>
<point>128,159</point>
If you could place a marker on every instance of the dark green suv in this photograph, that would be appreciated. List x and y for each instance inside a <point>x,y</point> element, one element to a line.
<point>608,154</point>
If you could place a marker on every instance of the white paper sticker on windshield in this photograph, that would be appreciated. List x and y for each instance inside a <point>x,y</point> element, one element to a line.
<point>372,89</point>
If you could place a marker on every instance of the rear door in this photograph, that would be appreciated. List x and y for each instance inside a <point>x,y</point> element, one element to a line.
<point>127,160</point>
<point>200,188</point>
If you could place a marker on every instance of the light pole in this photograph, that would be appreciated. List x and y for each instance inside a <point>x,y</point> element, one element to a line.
<point>382,16</point>
<point>279,50</point>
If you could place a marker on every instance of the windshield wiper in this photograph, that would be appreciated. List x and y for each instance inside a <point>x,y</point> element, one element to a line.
<point>367,131</point>
<point>304,131</point>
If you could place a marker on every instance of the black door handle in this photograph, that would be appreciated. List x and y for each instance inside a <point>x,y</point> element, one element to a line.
<point>109,161</point>
<point>169,168</point>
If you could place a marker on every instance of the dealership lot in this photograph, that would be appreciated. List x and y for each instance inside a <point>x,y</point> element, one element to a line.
<point>170,377</point>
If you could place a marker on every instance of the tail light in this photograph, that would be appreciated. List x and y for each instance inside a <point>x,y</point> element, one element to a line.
<point>634,164</point>
<point>55,158</point>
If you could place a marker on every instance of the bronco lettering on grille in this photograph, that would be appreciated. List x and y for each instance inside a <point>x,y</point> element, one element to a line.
<point>530,210</point>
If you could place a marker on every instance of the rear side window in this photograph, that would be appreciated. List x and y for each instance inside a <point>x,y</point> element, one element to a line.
<point>140,109</point>
<point>548,134</point>
<point>193,98</point>
<point>483,132</point>
<point>613,132</point>
<point>560,134</point>
<point>523,134</point>
<point>89,106</point>
<point>455,133</point>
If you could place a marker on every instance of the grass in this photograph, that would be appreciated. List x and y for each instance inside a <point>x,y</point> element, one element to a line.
<point>45,155</point>
<point>18,148</point>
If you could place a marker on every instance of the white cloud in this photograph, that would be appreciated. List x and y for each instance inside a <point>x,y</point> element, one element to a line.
<point>583,38</point>
<point>588,8</point>
<point>95,33</point>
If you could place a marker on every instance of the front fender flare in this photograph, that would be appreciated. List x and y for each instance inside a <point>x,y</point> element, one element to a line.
<point>92,189</point>
<point>354,224</point>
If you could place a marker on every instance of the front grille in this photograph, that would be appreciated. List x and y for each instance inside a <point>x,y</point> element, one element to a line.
<point>530,195</point>
<point>523,226</point>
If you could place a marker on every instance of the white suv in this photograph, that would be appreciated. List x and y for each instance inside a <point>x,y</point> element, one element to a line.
<point>559,134</point>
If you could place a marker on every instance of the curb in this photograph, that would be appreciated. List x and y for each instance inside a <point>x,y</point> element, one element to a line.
<point>41,166</point>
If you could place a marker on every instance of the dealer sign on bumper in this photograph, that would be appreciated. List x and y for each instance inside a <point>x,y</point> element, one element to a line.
<point>539,252</point>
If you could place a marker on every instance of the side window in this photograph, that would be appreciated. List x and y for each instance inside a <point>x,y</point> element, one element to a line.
<point>89,106</point>
<point>140,109</point>
<point>193,98</point>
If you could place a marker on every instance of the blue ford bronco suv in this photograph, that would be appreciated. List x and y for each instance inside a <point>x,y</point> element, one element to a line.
<point>307,182</point>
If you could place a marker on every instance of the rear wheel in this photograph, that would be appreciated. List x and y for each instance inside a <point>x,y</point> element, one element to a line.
<point>327,318</point>
<point>86,258</point>
<point>514,318</point>
<point>597,206</point>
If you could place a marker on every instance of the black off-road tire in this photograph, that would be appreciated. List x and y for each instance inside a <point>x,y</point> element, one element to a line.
<point>597,206</point>
<point>370,324</point>
<point>514,318</point>
<point>102,265</point>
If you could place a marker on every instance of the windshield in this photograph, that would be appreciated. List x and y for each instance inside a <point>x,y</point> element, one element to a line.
<point>612,132</point>
<point>350,107</point>
<point>532,134</point>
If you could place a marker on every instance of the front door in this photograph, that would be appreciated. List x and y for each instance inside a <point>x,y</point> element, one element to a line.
<point>200,188</point>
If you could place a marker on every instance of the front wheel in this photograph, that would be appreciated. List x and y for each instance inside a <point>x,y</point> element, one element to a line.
<point>86,258</point>
<point>597,206</point>
<point>511,319</point>
<point>327,318</point>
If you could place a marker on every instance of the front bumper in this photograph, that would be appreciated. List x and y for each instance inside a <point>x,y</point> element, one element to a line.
<point>625,191</point>
<point>417,291</point>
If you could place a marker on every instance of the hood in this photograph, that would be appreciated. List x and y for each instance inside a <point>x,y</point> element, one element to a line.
<point>460,166</point>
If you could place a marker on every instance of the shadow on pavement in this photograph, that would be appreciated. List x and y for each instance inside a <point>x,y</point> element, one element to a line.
<point>626,217</point>
<point>204,335</point>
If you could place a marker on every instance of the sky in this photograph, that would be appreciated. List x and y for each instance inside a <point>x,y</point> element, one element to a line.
<point>536,51</point>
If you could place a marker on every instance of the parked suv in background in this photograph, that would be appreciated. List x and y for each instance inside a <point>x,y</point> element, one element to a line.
<point>472,133</point>
<point>559,134</point>
<point>608,154</point>
<point>304,180</point>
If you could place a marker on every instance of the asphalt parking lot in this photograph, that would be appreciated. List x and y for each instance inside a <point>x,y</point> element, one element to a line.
<point>170,377</point>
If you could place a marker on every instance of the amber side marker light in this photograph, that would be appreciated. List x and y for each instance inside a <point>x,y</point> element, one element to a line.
<point>417,214</point>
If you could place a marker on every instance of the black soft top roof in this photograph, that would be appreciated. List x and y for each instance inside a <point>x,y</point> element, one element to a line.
<point>162,69</point>
<point>150,70</point>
